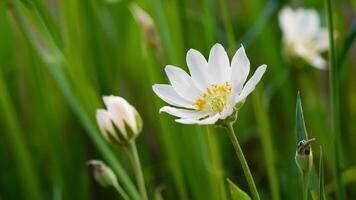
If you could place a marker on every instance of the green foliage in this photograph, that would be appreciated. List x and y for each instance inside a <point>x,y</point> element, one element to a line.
<point>301,130</point>
<point>322,195</point>
<point>236,193</point>
<point>57,58</point>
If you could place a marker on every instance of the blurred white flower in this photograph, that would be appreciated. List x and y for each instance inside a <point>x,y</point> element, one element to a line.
<point>214,90</point>
<point>120,122</point>
<point>303,36</point>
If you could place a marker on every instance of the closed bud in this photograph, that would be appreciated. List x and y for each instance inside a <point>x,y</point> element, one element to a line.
<point>145,21</point>
<point>304,155</point>
<point>120,122</point>
<point>103,174</point>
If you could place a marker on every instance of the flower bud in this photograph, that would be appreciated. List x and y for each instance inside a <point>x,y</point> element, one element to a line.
<point>103,174</point>
<point>147,25</point>
<point>304,155</point>
<point>120,122</point>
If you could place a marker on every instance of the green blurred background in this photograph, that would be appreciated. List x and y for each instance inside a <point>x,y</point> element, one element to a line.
<point>58,57</point>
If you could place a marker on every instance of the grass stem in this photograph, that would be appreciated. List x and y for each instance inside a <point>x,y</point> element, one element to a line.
<point>137,169</point>
<point>243,161</point>
<point>305,185</point>
<point>335,101</point>
<point>121,192</point>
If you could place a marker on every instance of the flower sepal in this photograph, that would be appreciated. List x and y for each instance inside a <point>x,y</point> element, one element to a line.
<point>304,155</point>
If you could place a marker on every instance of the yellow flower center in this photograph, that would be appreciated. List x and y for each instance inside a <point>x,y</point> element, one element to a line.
<point>215,99</point>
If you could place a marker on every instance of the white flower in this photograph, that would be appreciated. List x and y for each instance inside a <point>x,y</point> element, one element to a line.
<point>303,36</point>
<point>120,122</point>
<point>213,88</point>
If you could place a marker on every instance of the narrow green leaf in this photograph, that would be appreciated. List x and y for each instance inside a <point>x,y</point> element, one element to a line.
<point>268,11</point>
<point>54,66</point>
<point>236,192</point>
<point>301,130</point>
<point>11,130</point>
<point>334,86</point>
<point>347,44</point>
<point>322,195</point>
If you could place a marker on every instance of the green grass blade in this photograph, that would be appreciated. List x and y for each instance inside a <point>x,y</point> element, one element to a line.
<point>255,30</point>
<point>208,23</point>
<point>164,30</point>
<point>86,121</point>
<point>335,101</point>
<point>261,112</point>
<point>301,131</point>
<point>23,158</point>
<point>347,44</point>
<point>236,192</point>
<point>322,195</point>
<point>228,26</point>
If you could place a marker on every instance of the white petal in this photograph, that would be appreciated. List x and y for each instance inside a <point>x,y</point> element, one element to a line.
<point>198,68</point>
<point>251,84</point>
<point>104,123</point>
<point>227,112</point>
<point>182,83</point>
<point>169,95</point>
<point>128,113</point>
<point>183,113</point>
<point>307,21</point>
<point>322,39</point>
<point>116,112</point>
<point>318,62</point>
<point>209,120</point>
<point>240,67</point>
<point>287,24</point>
<point>219,64</point>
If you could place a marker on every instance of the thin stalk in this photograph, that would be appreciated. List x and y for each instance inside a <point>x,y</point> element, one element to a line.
<point>121,192</point>
<point>243,162</point>
<point>261,112</point>
<point>335,101</point>
<point>215,159</point>
<point>137,169</point>
<point>305,185</point>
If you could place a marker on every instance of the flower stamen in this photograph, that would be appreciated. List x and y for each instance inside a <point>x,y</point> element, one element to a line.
<point>214,99</point>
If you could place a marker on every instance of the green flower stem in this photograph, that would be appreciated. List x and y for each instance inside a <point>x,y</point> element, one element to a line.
<point>137,169</point>
<point>121,191</point>
<point>305,185</point>
<point>243,161</point>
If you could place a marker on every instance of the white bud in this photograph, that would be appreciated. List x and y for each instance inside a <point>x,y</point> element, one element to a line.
<point>120,122</point>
